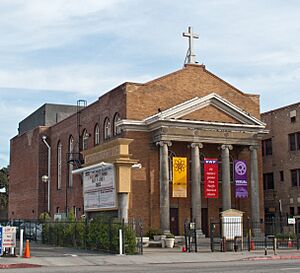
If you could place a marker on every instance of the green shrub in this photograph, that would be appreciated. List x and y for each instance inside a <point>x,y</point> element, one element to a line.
<point>151,232</point>
<point>286,236</point>
<point>99,234</point>
<point>170,235</point>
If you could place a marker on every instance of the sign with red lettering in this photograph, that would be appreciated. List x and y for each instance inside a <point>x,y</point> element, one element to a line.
<point>211,178</point>
<point>9,237</point>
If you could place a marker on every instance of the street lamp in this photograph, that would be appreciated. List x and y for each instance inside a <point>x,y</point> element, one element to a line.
<point>45,179</point>
<point>49,170</point>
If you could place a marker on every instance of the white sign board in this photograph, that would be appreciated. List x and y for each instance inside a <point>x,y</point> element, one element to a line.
<point>291,221</point>
<point>232,226</point>
<point>99,191</point>
<point>9,237</point>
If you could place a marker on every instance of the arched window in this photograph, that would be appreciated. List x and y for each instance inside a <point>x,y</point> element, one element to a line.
<point>107,128</point>
<point>97,134</point>
<point>85,137</point>
<point>117,129</point>
<point>59,157</point>
<point>70,164</point>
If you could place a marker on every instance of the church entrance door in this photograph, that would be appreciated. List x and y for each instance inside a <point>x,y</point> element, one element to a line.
<point>174,221</point>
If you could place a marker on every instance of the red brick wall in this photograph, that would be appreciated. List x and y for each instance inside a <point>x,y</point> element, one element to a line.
<point>28,161</point>
<point>182,85</point>
<point>134,102</point>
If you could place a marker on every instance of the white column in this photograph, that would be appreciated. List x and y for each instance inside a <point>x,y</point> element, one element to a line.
<point>255,216</point>
<point>123,206</point>
<point>164,186</point>
<point>226,188</point>
<point>196,187</point>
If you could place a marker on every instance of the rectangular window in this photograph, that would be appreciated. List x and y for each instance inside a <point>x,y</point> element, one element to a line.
<point>295,175</point>
<point>281,176</point>
<point>268,181</point>
<point>292,142</point>
<point>59,162</point>
<point>298,141</point>
<point>292,211</point>
<point>267,147</point>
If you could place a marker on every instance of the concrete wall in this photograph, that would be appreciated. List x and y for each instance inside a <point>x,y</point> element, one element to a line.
<point>46,115</point>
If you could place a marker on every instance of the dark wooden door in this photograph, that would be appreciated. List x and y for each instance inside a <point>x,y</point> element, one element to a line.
<point>174,221</point>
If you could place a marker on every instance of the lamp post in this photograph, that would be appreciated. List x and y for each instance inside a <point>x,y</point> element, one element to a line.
<point>48,179</point>
<point>45,179</point>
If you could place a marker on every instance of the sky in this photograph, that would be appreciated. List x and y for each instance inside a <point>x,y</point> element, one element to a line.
<point>60,51</point>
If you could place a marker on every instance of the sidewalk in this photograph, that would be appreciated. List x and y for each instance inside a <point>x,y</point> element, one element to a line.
<point>69,257</point>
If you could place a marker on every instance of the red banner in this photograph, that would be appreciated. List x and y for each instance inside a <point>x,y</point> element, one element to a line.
<point>211,178</point>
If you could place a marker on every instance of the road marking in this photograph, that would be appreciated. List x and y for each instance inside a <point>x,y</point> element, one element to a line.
<point>72,255</point>
<point>289,268</point>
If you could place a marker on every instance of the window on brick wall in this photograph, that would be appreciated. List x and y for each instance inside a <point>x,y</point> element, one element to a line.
<point>107,129</point>
<point>97,135</point>
<point>295,177</point>
<point>268,181</point>
<point>267,147</point>
<point>292,211</point>
<point>59,158</point>
<point>85,138</point>
<point>117,129</point>
<point>70,165</point>
<point>294,141</point>
<point>281,174</point>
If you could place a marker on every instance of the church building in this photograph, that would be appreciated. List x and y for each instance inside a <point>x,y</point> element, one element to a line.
<point>183,146</point>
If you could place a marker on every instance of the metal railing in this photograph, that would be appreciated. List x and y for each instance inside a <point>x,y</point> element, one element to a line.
<point>271,233</point>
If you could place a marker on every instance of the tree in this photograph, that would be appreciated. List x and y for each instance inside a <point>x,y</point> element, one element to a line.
<point>4,184</point>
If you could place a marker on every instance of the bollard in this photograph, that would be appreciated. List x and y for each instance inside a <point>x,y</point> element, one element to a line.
<point>21,242</point>
<point>120,242</point>
<point>274,245</point>
<point>212,245</point>
<point>195,239</point>
<point>266,246</point>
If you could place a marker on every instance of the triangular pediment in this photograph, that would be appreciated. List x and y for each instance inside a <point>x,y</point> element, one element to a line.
<point>210,113</point>
<point>211,108</point>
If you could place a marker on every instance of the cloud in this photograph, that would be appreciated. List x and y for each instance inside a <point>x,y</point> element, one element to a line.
<point>83,80</point>
<point>34,24</point>
<point>61,50</point>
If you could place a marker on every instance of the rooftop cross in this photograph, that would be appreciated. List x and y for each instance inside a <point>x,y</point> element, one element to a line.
<point>190,57</point>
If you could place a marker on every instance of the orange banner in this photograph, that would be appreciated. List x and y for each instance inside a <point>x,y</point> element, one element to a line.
<point>179,177</point>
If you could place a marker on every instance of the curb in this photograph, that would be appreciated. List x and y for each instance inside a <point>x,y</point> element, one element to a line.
<point>285,257</point>
<point>20,265</point>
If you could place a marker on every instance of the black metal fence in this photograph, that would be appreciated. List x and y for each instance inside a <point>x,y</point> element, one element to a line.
<point>97,234</point>
<point>272,233</point>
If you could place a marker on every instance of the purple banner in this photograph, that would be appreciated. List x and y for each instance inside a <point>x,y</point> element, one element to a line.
<point>240,178</point>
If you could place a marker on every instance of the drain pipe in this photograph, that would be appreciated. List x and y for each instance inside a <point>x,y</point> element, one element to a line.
<point>49,169</point>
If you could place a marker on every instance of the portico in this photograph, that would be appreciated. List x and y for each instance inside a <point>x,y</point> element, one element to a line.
<point>170,128</point>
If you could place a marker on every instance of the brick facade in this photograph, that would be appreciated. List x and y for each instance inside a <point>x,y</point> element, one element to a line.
<point>133,102</point>
<point>281,159</point>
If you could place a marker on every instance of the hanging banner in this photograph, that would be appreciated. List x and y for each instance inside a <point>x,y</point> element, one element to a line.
<point>240,178</point>
<point>179,177</point>
<point>211,178</point>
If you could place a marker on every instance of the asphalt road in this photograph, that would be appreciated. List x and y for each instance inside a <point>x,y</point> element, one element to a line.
<point>288,266</point>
